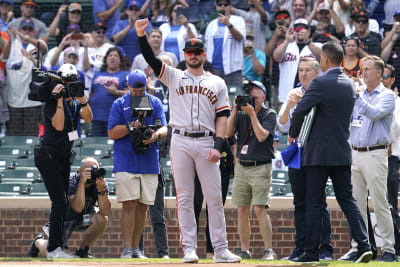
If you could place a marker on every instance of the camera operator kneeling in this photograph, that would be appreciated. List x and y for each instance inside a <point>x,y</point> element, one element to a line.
<point>136,122</point>
<point>54,156</point>
<point>85,189</point>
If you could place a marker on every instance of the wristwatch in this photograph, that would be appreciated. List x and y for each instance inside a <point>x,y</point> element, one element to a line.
<point>102,193</point>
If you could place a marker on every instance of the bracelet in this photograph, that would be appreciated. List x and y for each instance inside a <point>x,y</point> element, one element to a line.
<point>84,104</point>
<point>102,193</point>
<point>219,143</point>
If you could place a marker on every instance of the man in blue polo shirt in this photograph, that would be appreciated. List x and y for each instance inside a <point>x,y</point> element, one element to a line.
<point>136,171</point>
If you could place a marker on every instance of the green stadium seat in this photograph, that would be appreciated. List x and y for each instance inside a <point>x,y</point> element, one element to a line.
<point>283,138</point>
<point>38,189</point>
<point>8,163</point>
<point>14,189</point>
<point>15,152</point>
<point>276,190</point>
<point>98,140</point>
<point>280,175</point>
<point>25,163</point>
<point>106,162</point>
<point>282,147</point>
<point>19,141</point>
<point>111,188</point>
<point>97,152</point>
<point>20,176</point>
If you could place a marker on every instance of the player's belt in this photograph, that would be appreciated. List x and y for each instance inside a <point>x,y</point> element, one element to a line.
<point>369,148</point>
<point>193,134</point>
<point>253,163</point>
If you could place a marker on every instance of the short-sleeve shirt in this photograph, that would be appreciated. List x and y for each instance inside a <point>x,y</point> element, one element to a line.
<point>125,157</point>
<point>40,28</point>
<point>194,101</point>
<point>130,43</point>
<point>101,100</point>
<point>104,5</point>
<point>371,44</point>
<point>245,135</point>
<point>248,70</point>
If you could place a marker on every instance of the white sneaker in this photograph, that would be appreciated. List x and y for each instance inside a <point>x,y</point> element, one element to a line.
<point>58,253</point>
<point>190,256</point>
<point>226,256</point>
<point>126,253</point>
<point>165,257</point>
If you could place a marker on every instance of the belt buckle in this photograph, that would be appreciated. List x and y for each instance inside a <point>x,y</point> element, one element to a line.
<point>206,133</point>
<point>367,148</point>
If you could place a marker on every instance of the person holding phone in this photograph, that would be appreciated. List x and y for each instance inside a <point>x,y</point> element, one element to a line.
<point>224,40</point>
<point>177,31</point>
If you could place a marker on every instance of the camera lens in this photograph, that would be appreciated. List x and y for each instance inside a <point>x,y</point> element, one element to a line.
<point>147,134</point>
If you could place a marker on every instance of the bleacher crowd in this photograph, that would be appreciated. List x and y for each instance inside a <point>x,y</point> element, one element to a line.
<point>262,43</point>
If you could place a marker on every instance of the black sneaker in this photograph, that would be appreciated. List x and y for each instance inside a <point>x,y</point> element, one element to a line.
<point>296,252</point>
<point>305,258</point>
<point>351,255</point>
<point>33,251</point>
<point>83,253</point>
<point>387,257</point>
<point>138,254</point>
<point>325,256</point>
<point>244,254</point>
<point>363,256</point>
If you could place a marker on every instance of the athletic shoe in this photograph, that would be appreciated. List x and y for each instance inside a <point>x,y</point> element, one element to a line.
<point>226,257</point>
<point>137,253</point>
<point>126,253</point>
<point>305,258</point>
<point>269,254</point>
<point>59,253</point>
<point>296,252</point>
<point>364,256</point>
<point>351,255</point>
<point>83,253</point>
<point>190,256</point>
<point>387,257</point>
<point>325,256</point>
<point>33,251</point>
<point>165,257</point>
<point>245,254</point>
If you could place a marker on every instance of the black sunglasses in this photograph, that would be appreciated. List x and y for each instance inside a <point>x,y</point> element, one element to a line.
<point>134,8</point>
<point>362,21</point>
<point>100,32</point>
<point>223,4</point>
<point>75,12</point>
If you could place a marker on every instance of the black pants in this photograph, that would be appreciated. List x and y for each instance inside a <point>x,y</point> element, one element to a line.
<point>297,181</point>
<point>158,221</point>
<point>55,173</point>
<point>198,203</point>
<point>316,178</point>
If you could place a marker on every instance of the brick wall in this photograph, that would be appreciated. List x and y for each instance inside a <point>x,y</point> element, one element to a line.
<point>18,226</point>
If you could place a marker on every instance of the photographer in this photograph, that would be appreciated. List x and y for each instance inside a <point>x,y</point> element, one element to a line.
<point>85,189</point>
<point>254,125</point>
<point>135,158</point>
<point>54,156</point>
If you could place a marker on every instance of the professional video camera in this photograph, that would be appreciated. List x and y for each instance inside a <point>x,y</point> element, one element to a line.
<point>43,82</point>
<point>141,108</point>
<point>95,173</point>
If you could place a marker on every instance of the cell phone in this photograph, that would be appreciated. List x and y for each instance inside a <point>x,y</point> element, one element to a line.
<point>77,36</point>
<point>222,12</point>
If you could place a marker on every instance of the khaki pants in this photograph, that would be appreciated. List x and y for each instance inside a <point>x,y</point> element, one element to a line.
<point>369,173</point>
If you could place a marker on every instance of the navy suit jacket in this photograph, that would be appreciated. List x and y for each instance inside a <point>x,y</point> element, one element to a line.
<point>333,95</point>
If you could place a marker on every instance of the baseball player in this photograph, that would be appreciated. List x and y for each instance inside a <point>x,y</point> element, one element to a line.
<point>198,110</point>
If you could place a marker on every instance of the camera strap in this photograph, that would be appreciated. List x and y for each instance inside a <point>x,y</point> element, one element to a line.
<point>72,116</point>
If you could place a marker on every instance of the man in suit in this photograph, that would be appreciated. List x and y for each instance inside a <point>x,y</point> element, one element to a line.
<point>328,153</point>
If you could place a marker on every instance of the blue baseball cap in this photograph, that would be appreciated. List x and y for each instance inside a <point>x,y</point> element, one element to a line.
<point>136,79</point>
<point>130,3</point>
<point>259,85</point>
<point>27,23</point>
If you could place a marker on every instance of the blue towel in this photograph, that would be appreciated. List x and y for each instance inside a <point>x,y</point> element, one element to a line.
<point>292,155</point>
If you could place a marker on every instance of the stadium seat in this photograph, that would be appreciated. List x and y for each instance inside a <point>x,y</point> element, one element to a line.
<point>280,175</point>
<point>282,147</point>
<point>38,189</point>
<point>111,188</point>
<point>283,138</point>
<point>15,152</point>
<point>96,141</point>
<point>276,190</point>
<point>97,152</point>
<point>109,162</point>
<point>14,189</point>
<point>19,141</point>
<point>20,176</point>
<point>25,163</point>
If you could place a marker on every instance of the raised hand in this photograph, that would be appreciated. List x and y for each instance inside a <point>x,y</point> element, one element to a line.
<point>141,26</point>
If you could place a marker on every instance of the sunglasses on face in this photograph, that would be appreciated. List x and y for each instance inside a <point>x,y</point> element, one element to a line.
<point>222,4</point>
<point>100,32</point>
<point>385,76</point>
<point>324,12</point>
<point>28,29</point>
<point>281,16</point>
<point>362,21</point>
<point>298,29</point>
<point>134,8</point>
<point>75,12</point>
<point>194,53</point>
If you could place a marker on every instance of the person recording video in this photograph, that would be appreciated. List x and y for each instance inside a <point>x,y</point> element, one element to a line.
<point>86,187</point>
<point>65,104</point>
<point>136,122</point>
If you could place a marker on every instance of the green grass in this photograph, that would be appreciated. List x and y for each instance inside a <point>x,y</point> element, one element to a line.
<point>254,262</point>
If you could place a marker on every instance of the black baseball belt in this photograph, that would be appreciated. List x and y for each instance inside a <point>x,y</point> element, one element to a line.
<point>253,163</point>
<point>369,148</point>
<point>193,134</point>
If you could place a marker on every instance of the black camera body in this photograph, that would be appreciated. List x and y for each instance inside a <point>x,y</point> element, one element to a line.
<point>43,83</point>
<point>95,173</point>
<point>243,100</point>
<point>141,108</point>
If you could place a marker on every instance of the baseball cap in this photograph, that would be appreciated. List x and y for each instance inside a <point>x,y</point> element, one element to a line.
<point>29,2</point>
<point>300,22</point>
<point>259,85</point>
<point>130,3</point>
<point>6,1</point>
<point>194,44</point>
<point>74,6</point>
<point>70,51</point>
<point>282,11</point>
<point>73,27</point>
<point>99,25</point>
<point>361,13</point>
<point>323,6</point>
<point>27,22</point>
<point>225,1</point>
<point>249,33</point>
<point>136,79</point>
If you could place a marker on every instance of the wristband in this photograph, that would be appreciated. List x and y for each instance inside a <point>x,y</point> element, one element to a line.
<point>219,143</point>
<point>102,193</point>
